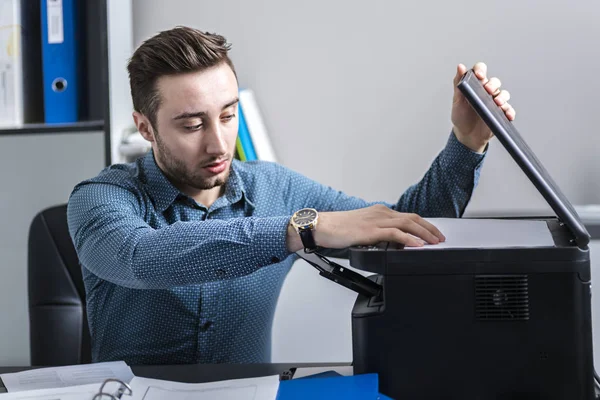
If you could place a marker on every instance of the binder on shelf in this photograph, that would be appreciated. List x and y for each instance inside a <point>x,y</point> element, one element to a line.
<point>60,60</point>
<point>244,145</point>
<point>256,128</point>
<point>11,69</point>
<point>31,51</point>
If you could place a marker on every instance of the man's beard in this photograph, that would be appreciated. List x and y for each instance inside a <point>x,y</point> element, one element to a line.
<point>177,172</point>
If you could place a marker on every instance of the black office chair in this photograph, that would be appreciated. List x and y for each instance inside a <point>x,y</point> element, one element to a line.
<point>59,333</point>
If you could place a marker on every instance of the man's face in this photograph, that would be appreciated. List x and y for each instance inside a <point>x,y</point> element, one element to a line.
<point>196,127</point>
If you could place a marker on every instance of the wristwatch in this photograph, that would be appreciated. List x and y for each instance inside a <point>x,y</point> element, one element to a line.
<point>305,222</point>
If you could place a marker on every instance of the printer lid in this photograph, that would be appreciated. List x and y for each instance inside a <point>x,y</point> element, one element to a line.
<point>483,103</point>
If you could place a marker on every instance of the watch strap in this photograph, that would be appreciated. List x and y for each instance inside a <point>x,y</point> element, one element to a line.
<point>308,240</point>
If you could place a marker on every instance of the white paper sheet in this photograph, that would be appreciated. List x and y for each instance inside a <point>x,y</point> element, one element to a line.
<point>345,370</point>
<point>83,392</point>
<point>263,388</point>
<point>56,377</point>
<point>489,233</point>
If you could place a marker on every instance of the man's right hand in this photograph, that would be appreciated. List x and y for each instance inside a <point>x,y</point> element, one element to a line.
<point>368,226</point>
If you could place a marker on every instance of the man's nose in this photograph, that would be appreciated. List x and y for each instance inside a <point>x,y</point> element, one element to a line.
<point>216,143</point>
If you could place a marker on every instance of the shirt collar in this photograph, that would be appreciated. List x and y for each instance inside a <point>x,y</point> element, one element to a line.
<point>164,193</point>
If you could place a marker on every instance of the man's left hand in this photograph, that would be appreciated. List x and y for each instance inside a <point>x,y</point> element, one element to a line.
<point>468,127</point>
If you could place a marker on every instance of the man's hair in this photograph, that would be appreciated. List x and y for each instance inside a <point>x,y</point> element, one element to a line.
<point>175,51</point>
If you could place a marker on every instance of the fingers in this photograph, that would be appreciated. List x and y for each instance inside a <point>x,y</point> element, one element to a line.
<point>502,100</point>
<point>417,226</point>
<point>421,232</point>
<point>397,236</point>
<point>509,111</point>
<point>461,69</point>
<point>431,228</point>
<point>493,86</point>
<point>502,97</point>
<point>480,70</point>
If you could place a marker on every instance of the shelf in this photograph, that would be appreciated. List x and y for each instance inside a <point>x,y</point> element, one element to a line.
<point>83,126</point>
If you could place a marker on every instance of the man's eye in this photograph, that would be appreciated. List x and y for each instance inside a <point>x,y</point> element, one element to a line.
<point>193,127</point>
<point>228,117</point>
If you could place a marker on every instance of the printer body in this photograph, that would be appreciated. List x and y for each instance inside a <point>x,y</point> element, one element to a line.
<point>501,323</point>
<point>484,322</point>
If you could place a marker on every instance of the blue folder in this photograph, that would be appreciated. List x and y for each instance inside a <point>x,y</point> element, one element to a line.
<point>359,387</point>
<point>60,60</point>
<point>244,137</point>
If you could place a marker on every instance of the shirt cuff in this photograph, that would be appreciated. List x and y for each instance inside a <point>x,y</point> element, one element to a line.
<point>270,239</point>
<point>459,158</point>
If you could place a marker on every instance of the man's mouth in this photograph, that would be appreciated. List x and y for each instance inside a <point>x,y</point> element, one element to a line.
<point>216,167</point>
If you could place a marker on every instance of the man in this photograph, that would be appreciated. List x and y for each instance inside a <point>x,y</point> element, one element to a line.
<point>184,252</point>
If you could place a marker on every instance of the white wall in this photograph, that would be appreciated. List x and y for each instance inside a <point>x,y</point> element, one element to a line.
<point>36,172</point>
<point>367,87</point>
<point>120,47</point>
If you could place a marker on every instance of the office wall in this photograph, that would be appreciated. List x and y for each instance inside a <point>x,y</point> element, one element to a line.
<point>36,171</point>
<point>120,48</point>
<point>365,89</point>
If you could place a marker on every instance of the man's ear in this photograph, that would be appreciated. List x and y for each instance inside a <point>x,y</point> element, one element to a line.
<point>144,126</point>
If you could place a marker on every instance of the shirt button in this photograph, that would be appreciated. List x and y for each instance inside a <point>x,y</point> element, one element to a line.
<point>205,326</point>
<point>275,260</point>
<point>220,273</point>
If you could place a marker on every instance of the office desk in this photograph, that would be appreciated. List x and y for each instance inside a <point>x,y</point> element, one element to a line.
<point>198,373</point>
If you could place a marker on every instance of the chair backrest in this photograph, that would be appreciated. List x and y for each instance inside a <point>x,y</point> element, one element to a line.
<point>59,333</point>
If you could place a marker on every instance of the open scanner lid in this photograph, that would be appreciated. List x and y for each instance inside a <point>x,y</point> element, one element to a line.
<point>483,103</point>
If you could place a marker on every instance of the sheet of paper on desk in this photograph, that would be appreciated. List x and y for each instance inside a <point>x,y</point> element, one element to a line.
<point>263,388</point>
<point>66,393</point>
<point>55,377</point>
<point>489,233</point>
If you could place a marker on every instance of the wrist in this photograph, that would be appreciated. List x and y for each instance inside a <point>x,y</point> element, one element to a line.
<point>294,243</point>
<point>471,141</point>
<point>304,222</point>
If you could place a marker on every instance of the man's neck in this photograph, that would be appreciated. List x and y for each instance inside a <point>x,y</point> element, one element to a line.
<point>205,197</point>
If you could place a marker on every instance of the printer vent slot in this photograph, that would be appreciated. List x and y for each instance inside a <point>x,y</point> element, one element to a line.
<point>501,297</point>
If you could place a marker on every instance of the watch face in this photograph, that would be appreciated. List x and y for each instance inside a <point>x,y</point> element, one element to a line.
<point>305,217</point>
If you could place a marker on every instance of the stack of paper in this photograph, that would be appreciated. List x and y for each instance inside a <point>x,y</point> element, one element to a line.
<point>263,388</point>
<point>63,393</point>
<point>80,382</point>
<point>60,377</point>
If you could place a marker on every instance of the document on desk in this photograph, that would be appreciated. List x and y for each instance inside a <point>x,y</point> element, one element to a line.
<point>489,233</point>
<point>63,393</point>
<point>263,388</point>
<point>72,375</point>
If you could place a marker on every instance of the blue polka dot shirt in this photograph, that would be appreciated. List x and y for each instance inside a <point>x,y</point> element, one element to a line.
<point>169,281</point>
